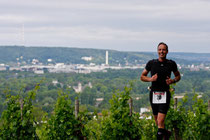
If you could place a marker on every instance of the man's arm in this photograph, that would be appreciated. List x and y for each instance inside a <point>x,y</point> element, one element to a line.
<point>176,79</point>
<point>145,78</point>
<point>177,76</point>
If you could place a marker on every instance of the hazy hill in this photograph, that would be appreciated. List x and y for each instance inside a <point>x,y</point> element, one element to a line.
<point>9,54</point>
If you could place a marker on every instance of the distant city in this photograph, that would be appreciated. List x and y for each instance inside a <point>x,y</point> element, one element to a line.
<point>39,68</point>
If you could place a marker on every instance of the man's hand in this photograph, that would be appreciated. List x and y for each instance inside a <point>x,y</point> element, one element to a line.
<point>154,78</point>
<point>169,81</point>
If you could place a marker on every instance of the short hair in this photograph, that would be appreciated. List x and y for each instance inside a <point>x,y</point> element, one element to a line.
<point>162,43</point>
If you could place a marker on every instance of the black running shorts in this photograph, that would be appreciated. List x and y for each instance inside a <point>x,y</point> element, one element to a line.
<point>160,108</point>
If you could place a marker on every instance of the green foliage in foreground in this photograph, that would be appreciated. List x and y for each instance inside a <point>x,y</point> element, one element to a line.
<point>190,124</point>
<point>120,124</point>
<point>62,124</point>
<point>18,121</point>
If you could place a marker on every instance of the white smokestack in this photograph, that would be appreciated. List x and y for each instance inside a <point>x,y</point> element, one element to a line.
<point>107,58</point>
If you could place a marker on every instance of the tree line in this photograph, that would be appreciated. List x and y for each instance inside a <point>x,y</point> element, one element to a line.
<point>103,86</point>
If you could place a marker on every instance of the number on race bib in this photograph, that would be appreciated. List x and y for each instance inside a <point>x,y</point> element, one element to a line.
<point>159,97</point>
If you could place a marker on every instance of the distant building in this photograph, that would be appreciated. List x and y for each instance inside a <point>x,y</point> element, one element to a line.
<point>85,71</point>
<point>39,71</point>
<point>87,58</point>
<point>98,101</point>
<point>90,84</point>
<point>59,65</point>
<point>55,82</point>
<point>79,88</point>
<point>49,60</point>
<point>143,110</point>
<point>142,115</point>
<point>92,64</point>
<point>15,68</point>
<point>35,61</point>
<point>138,98</point>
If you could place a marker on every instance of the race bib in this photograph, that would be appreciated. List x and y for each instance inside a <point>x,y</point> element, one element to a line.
<point>159,97</point>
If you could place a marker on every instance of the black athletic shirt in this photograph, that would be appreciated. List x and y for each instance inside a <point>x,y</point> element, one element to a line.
<point>163,70</point>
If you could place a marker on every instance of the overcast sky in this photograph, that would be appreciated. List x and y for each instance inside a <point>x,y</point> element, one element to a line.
<point>124,25</point>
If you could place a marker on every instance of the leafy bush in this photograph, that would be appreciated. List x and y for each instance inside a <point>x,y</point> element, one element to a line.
<point>190,124</point>
<point>149,129</point>
<point>198,122</point>
<point>17,120</point>
<point>120,124</point>
<point>62,124</point>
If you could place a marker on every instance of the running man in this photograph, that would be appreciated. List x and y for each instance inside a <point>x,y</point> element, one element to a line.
<point>160,70</point>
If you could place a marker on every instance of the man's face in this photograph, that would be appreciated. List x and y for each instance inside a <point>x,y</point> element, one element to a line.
<point>162,51</point>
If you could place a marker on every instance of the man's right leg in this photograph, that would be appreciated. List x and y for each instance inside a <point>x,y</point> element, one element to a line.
<point>155,112</point>
<point>161,126</point>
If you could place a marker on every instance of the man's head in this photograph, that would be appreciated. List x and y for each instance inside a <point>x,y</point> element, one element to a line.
<point>162,50</point>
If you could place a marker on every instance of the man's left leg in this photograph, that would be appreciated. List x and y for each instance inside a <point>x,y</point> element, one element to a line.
<point>161,125</point>
<point>161,119</point>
